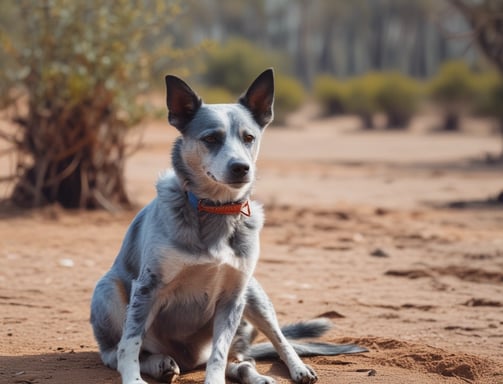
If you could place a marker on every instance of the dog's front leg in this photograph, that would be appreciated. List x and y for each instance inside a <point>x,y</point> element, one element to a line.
<point>140,304</point>
<point>227,319</point>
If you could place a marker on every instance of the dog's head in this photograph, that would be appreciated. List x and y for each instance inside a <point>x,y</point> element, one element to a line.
<point>216,154</point>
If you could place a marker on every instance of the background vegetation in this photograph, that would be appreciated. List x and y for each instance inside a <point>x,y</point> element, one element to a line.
<point>74,72</point>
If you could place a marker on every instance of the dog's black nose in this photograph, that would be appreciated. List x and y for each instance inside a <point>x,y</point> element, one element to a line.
<point>239,169</point>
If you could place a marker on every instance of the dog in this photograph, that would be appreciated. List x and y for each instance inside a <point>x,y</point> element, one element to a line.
<point>181,292</point>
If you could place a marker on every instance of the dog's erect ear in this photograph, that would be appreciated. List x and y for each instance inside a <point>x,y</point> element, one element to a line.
<point>182,102</point>
<point>259,98</point>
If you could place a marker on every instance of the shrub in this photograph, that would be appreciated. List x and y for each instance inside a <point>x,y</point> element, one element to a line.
<point>394,94</point>
<point>361,97</point>
<point>331,94</point>
<point>488,97</point>
<point>289,96</point>
<point>495,102</point>
<point>454,88</point>
<point>216,95</point>
<point>398,97</point>
<point>79,67</point>
<point>233,65</point>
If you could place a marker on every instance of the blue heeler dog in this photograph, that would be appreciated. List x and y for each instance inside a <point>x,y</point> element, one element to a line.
<point>181,292</point>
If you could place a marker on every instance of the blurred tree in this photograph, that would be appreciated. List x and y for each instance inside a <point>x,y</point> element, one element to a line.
<point>486,20</point>
<point>302,56</point>
<point>72,73</point>
<point>489,100</point>
<point>337,37</point>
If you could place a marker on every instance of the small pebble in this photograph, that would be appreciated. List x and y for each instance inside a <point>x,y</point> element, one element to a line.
<point>378,252</point>
<point>370,372</point>
<point>358,238</point>
<point>67,263</point>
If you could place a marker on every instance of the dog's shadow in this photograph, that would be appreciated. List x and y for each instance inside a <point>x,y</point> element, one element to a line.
<point>86,368</point>
<point>58,367</point>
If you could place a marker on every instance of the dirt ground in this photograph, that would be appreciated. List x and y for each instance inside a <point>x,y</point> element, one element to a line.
<point>358,230</point>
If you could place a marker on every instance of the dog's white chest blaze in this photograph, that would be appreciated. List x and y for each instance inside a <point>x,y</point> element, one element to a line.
<point>220,258</point>
<point>202,275</point>
<point>194,284</point>
<point>186,304</point>
<point>222,253</point>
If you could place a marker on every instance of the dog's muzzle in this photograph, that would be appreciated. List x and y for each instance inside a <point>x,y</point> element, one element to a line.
<point>239,173</point>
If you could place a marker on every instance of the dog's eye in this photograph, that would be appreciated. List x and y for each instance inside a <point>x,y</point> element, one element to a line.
<point>210,139</point>
<point>248,139</point>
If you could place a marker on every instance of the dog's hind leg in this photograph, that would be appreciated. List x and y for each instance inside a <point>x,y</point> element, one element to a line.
<point>140,305</point>
<point>108,312</point>
<point>260,311</point>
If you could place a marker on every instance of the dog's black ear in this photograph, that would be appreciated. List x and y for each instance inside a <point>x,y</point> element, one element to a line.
<point>182,102</point>
<point>259,98</point>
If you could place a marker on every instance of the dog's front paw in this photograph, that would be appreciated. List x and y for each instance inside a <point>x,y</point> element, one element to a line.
<point>304,375</point>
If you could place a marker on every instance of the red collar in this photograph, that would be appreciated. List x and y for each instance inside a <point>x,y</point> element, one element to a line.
<point>224,209</point>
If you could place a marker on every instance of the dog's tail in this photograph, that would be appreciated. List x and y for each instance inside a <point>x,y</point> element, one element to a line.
<point>264,351</point>
<point>305,329</point>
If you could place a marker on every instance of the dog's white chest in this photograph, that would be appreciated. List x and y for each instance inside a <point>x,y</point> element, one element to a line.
<point>192,289</point>
<point>220,260</point>
<point>202,277</point>
<point>223,254</point>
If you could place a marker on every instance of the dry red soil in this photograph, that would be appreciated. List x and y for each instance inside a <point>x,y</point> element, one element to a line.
<point>357,230</point>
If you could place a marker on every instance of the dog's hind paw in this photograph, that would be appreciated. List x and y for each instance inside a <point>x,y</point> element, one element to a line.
<point>161,367</point>
<point>168,369</point>
<point>304,375</point>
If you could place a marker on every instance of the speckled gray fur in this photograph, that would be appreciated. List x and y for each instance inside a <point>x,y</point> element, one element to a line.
<point>176,293</point>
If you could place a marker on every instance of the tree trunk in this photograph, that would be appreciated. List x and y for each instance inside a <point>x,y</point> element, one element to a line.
<point>501,137</point>
<point>326,62</point>
<point>303,55</point>
<point>73,156</point>
<point>367,121</point>
<point>397,120</point>
<point>451,122</point>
